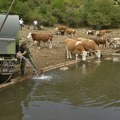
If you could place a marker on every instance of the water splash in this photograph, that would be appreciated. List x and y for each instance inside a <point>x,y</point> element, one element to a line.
<point>37,77</point>
<point>43,77</point>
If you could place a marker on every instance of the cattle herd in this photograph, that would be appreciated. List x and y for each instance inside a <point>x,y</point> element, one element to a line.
<point>77,45</point>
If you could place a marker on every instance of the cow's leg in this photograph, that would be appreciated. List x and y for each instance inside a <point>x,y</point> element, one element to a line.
<point>98,54</point>
<point>70,55</point>
<point>67,52</point>
<point>106,45</point>
<point>35,42</point>
<point>77,57</point>
<point>84,55</point>
<point>115,46</point>
<point>50,44</point>
<point>38,45</point>
<point>72,35</point>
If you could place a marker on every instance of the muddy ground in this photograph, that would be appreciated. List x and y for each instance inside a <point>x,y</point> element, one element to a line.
<point>45,57</point>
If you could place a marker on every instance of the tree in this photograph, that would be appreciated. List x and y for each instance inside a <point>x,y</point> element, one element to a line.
<point>4,5</point>
<point>75,13</point>
<point>98,13</point>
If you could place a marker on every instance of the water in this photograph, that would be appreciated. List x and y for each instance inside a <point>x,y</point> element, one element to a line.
<point>86,91</point>
<point>43,77</point>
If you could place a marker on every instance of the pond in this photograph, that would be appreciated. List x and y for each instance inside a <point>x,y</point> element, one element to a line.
<point>86,91</point>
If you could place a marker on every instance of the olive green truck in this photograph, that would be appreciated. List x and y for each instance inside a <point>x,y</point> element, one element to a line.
<point>9,43</point>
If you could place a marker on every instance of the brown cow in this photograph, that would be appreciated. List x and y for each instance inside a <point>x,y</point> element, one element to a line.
<point>76,47</point>
<point>90,32</point>
<point>90,46</point>
<point>102,41</point>
<point>41,36</point>
<point>70,32</point>
<point>102,32</point>
<point>60,30</point>
<point>98,33</point>
<point>108,31</point>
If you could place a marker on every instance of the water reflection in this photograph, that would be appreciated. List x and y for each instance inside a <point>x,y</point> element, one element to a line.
<point>10,101</point>
<point>87,84</point>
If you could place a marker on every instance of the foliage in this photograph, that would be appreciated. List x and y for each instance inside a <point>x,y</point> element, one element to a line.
<point>99,13</point>
<point>73,13</point>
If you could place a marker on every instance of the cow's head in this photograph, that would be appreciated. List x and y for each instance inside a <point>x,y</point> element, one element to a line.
<point>98,53</point>
<point>84,55</point>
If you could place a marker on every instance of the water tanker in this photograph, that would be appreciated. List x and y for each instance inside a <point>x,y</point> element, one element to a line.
<point>9,43</point>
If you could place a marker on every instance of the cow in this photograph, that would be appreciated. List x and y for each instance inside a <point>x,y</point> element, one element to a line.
<point>90,32</point>
<point>114,42</point>
<point>98,33</point>
<point>101,40</point>
<point>108,31</point>
<point>60,30</point>
<point>76,47</point>
<point>102,32</point>
<point>90,46</point>
<point>41,36</point>
<point>70,32</point>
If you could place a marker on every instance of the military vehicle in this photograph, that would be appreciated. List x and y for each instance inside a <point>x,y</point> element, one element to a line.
<point>9,43</point>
